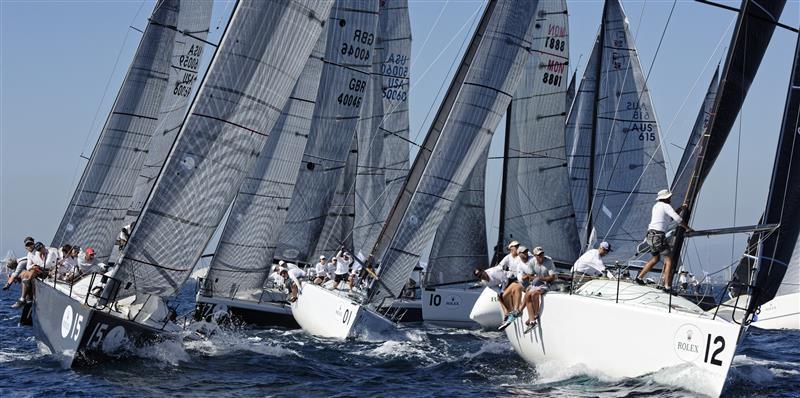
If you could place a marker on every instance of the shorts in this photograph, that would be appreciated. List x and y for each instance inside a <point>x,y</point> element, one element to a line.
<point>542,288</point>
<point>340,277</point>
<point>657,241</point>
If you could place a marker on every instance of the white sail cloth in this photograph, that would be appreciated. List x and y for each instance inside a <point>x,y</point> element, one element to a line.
<point>474,105</point>
<point>256,66</point>
<point>95,213</point>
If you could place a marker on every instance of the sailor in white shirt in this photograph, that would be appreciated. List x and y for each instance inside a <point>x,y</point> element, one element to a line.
<point>509,261</point>
<point>342,270</point>
<point>67,264</point>
<point>591,262</point>
<point>321,270</point>
<point>87,264</point>
<point>494,278</point>
<point>511,296</point>
<point>275,276</point>
<point>661,217</point>
<point>543,273</point>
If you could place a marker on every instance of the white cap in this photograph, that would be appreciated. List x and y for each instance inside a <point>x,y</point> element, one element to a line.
<point>281,262</point>
<point>513,243</point>
<point>522,249</point>
<point>537,250</point>
<point>664,194</point>
<point>606,245</point>
<point>321,257</point>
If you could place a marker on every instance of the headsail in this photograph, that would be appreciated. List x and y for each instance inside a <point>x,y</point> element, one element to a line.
<point>462,129</point>
<point>754,28</point>
<point>626,168</point>
<point>779,248</point>
<point>460,242</point>
<point>344,81</point>
<point>680,184</point>
<point>537,203</point>
<point>95,213</point>
<point>244,254</point>
<point>249,81</point>
<point>193,22</point>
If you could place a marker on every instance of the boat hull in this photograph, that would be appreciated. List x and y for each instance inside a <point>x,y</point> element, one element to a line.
<point>78,335</point>
<point>409,310</point>
<point>261,314</point>
<point>487,312</point>
<point>782,312</point>
<point>325,313</point>
<point>623,340</point>
<point>449,307</point>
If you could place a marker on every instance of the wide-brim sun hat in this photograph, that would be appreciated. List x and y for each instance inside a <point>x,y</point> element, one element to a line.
<point>664,194</point>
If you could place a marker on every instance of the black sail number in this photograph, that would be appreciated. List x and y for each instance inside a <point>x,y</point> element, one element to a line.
<point>346,316</point>
<point>435,300</point>
<point>717,340</point>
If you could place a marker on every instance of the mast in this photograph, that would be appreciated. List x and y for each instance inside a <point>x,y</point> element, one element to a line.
<point>754,28</point>
<point>593,140</point>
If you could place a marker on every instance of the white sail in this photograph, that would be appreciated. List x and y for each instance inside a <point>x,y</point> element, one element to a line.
<point>337,231</point>
<point>475,102</point>
<point>95,213</point>
<point>383,135</point>
<point>537,201</point>
<point>253,72</point>
<point>193,22</point>
<point>344,81</point>
<point>244,254</point>
<point>627,165</point>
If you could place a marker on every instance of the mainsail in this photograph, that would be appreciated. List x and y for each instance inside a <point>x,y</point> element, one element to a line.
<point>95,213</point>
<point>261,55</point>
<point>462,129</point>
<point>754,28</point>
<point>244,254</point>
<point>460,242</point>
<point>193,23</point>
<point>537,206</point>
<point>344,81</point>
<point>625,162</point>
<point>383,134</point>
<point>680,184</point>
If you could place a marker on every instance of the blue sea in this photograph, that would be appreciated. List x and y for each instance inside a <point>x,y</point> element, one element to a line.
<point>429,362</point>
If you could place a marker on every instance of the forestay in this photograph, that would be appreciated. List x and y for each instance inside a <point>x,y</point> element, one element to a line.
<point>95,213</point>
<point>537,203</point>
<point>460,242</point>
<point>189,47</point>
<point>243,257</point>
<point>344,81</point>
<point>462,129</point>
<point>249,81</point>
<point>691,153</point>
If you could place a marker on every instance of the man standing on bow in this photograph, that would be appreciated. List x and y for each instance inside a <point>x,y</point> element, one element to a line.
<point>656,237</point>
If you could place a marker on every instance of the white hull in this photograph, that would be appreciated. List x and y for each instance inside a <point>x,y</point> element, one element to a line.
<point>449,307</point>
<point>331,314</point>
<point>486,311</point>
<point>782,312</point>
<point>631,338</point>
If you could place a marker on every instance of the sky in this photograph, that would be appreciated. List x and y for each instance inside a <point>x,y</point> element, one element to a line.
<point>62,62</point>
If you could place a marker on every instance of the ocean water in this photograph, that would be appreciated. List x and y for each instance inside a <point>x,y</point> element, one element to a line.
<point>428,362</point>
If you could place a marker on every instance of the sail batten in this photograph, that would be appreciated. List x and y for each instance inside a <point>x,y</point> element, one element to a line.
<point>251,76</point>
<point>97,209</point>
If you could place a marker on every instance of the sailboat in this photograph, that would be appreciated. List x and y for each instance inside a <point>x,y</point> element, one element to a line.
<point>237,280</point>
<point>782,245</point>
<point>237,103</point>
<point>459,135</point>
<point>340,104</point>
<point>680,334</point>
<point>532,156</point>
